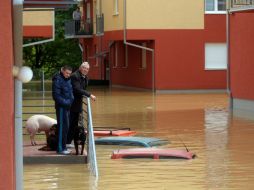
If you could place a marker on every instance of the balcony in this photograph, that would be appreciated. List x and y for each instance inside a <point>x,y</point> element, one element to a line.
<point>242,3</point>
<point>79,29</point>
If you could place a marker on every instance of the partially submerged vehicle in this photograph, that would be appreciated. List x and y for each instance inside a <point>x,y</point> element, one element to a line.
<point>113,132</point>
<point>154,153</point>
<point>131,141</point>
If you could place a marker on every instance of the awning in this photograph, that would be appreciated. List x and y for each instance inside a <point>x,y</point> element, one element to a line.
<point>58,4</point>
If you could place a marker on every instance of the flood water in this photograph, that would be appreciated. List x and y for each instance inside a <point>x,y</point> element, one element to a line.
<point>223,145</point>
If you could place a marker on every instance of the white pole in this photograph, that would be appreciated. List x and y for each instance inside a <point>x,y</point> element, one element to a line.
<point>18,37</point>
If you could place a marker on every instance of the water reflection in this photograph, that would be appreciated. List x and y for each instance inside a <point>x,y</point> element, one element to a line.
<point>93,182</point>
<point>216,140</point>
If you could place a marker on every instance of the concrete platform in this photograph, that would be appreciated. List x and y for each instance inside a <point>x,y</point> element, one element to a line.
<point>31,155</point>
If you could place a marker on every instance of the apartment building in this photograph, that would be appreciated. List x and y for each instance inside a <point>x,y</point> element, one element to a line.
<point>160,45</point>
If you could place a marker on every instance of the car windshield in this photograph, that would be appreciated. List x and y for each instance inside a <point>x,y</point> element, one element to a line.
<point>158,142</point>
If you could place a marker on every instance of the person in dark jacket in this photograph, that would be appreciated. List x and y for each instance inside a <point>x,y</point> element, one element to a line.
<point>63,97</point>
<point>79,81</point>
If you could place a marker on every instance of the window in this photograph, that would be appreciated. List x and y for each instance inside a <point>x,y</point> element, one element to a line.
<point>215,56</point>
<point>88,15</point>
<point>215,6</point>
<point>116,7</point>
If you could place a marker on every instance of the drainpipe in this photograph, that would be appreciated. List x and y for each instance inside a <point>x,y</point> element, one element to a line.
<point>82,50</point>
<point>228,57</point>
<point>18,37</point>
<point>138,46</point>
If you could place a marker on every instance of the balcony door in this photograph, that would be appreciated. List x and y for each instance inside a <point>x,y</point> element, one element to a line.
<point>88,12</point>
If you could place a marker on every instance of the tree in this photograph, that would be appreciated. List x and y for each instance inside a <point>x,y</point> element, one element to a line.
<point>53,55</point>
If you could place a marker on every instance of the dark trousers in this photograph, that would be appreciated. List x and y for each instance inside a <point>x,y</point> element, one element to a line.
<point>77,26</point>
<point>74,119</point>
<point>62,115</point>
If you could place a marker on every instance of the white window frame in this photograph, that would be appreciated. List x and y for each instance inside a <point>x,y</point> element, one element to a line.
<point>215,11</point>
<point>116,7</point>
<point>208,65</point>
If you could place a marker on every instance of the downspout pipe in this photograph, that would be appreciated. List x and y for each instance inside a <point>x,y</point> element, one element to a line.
<point>82,50</point>
<point>80,47</point>
<point>18,57</point>
<point>136,45</point>
<point>228,57</point>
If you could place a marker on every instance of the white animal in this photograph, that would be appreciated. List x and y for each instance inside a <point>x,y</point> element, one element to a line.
<point>38,123</point>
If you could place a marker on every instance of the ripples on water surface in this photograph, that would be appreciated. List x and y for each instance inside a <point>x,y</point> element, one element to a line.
<point>223,144</point>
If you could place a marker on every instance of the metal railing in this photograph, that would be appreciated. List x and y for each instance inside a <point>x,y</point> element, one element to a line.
<point>99,24</point>
<point>78,28</point>
<point>241,3</point>
<point>87,122</point>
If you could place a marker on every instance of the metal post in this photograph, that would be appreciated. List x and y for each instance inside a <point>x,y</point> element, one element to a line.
<point>42,81</point>
<point>18,37</point>
<point>43,88</point>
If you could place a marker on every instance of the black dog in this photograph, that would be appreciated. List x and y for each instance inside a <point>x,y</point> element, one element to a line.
<point>79,139</point>
<point>52,138</point>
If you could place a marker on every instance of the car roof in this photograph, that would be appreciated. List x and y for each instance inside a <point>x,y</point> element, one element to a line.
<point>132,141</point>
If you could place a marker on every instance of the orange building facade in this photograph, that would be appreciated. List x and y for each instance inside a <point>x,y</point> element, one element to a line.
<point>241,56</point>
<point>38,23</point>
<point>10,51</point>
<point>178,32</point>
<point>7,165</point>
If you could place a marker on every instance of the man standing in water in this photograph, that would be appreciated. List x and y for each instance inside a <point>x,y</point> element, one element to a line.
<point>79,81</point>
<point>63,97</point>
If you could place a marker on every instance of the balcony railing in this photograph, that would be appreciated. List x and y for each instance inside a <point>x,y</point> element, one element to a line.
<point>76,29</point>
<point>241,3</point>
<point>99,24</point>
<point>80,29</point>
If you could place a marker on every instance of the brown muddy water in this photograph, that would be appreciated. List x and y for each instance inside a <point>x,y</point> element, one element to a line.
<point>223,144</point>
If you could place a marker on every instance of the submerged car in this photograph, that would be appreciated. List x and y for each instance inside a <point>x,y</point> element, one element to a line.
<point>132,141</point>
